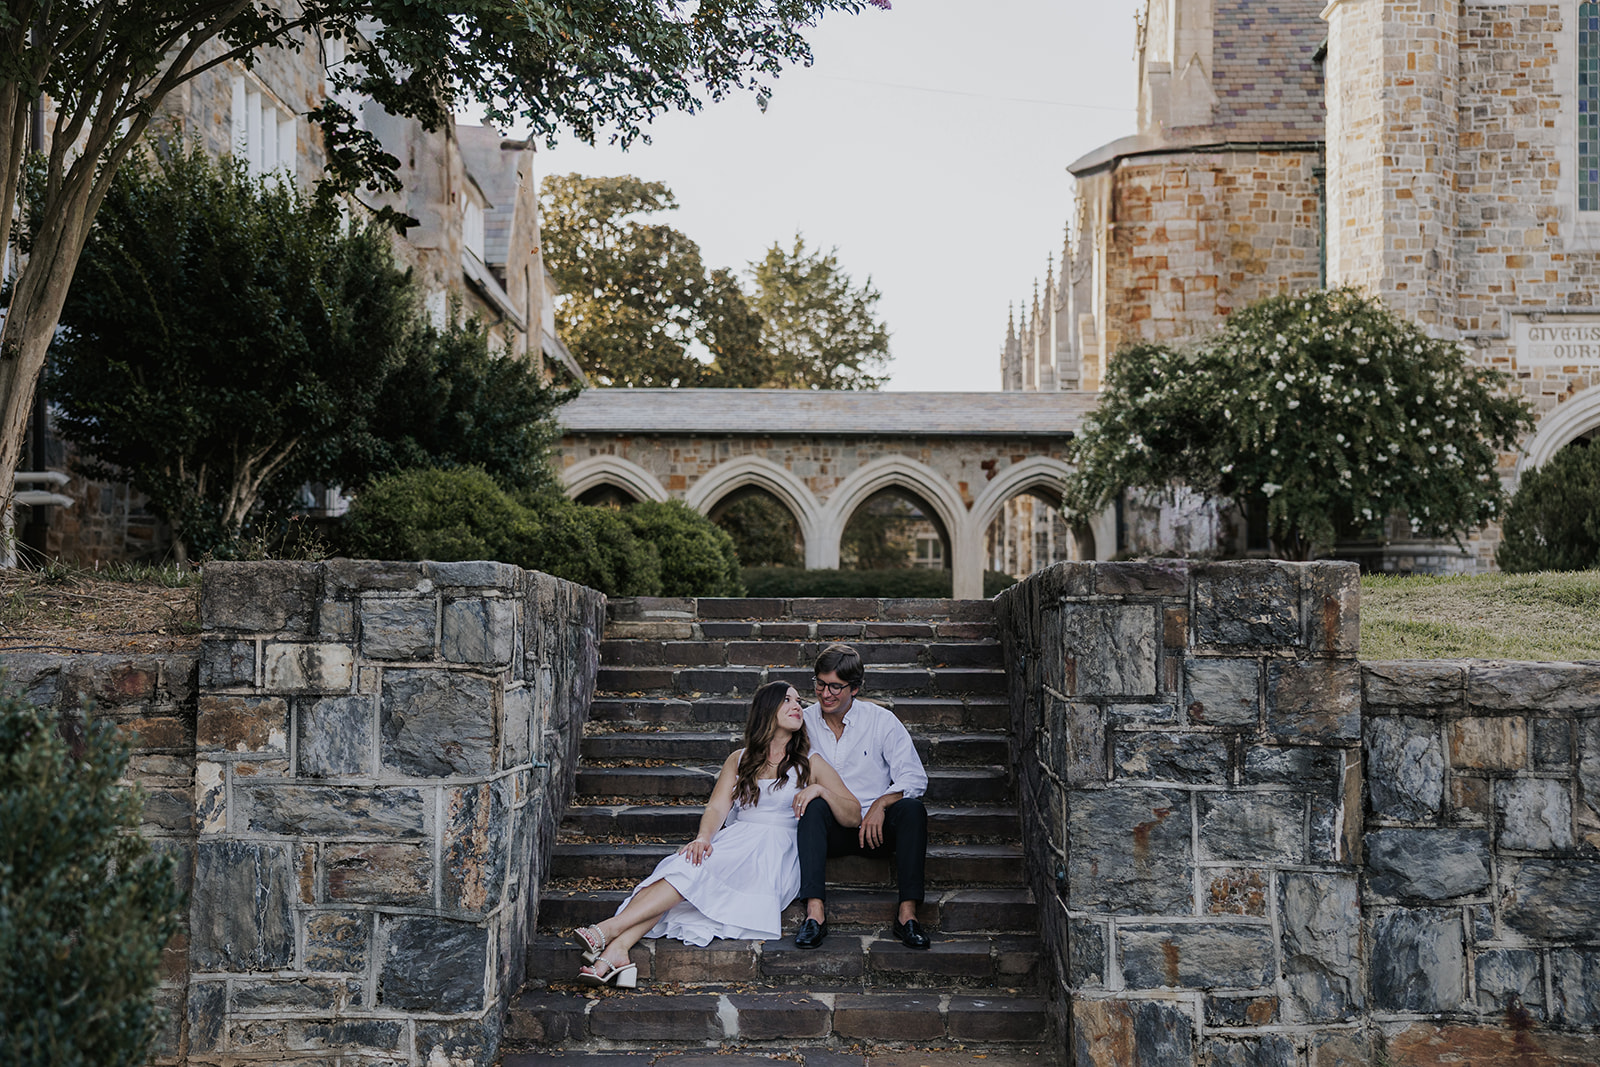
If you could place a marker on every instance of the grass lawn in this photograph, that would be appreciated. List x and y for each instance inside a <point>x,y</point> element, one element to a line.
<point>1547,616</point>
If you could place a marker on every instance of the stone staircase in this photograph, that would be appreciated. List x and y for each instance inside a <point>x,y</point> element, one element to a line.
<point>674,685</point>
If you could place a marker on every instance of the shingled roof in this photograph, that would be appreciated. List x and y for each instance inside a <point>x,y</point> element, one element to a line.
<point>826,412</point>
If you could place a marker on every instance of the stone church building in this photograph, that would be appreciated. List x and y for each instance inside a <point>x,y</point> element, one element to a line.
<point>1441,154</point>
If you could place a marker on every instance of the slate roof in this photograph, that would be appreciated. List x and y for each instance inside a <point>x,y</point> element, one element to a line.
<point>780,412</point>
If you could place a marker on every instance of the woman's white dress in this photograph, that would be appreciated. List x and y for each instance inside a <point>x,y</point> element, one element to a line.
<point>741,889</point>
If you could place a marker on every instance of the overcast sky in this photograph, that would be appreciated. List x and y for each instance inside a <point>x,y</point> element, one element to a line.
<point>928,144</point>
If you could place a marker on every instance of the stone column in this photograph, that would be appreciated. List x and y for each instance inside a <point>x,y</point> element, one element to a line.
<point>384,750</point>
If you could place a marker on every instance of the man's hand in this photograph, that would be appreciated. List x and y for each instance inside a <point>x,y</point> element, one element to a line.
<point>871,833</point>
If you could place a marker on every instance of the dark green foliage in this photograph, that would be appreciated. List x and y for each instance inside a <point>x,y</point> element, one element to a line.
<point>697,556</point>
<point>764,533</point>
<point>453,403</point>
<point>1553,520</point>
<point>443,515</point>
<point>900,582</point>
<point>1326,406</point>
<point>85,906</point>
<point>879,535</point>
<point>820,331</point>
<point>219,339</point>
<point>595,546</point>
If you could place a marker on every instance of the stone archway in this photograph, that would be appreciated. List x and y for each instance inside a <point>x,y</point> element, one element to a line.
<point>596,471</point>
<point>1033,473</point>
<point>903,472</point>
<point>1569,420</point>
<point>762,473</point>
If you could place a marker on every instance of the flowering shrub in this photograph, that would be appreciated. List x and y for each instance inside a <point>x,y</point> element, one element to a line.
<point>1326,408</point>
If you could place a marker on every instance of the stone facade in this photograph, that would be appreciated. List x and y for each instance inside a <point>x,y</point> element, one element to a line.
<point>362,769</point>
<point>1250,848</point>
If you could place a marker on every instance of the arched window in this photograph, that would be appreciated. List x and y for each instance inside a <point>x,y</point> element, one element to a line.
<point>1589,107</point>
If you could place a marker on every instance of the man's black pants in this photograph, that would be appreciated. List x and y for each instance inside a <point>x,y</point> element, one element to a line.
<point>905,833</point>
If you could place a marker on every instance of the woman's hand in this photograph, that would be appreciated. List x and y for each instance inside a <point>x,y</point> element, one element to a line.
<point>804,797</point>
<point>696,850</point>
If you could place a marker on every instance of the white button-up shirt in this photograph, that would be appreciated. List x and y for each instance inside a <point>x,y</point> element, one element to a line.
<point>874,755</point>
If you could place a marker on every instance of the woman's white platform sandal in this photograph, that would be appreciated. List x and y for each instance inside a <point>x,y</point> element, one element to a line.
<point>593,940</point>
<point>604,972</point>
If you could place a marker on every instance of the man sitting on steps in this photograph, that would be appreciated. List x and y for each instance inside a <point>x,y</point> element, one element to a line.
<point>874,755</point>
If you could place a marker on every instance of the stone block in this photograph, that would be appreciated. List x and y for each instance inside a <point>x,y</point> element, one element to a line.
<point>1109,649</point>
<point>347,1036</point>
<point>1298,766</point>
<point>473,574</point>
<point>379,873</point>
<point>787,1015</point>
<point>990,1018</point>
<point>344,579</point>
<point>1086,954</point>
<point>1192,956</point>
<point>1551,744</point>
<point>432,965</point>
<point>1543,687</point>
<point>1235,891</point>
<point>1131,852</point>
<point>1333,607</point>
<point>458,1041</point>
<point>1185,759</point>
<point>239,910</point>
<point>1418,960</point>
<point>210,796</point>
<point>720,961</point>
<point>1077,742</point>
<point>1263,827</point>
<point>520,735</point>
<point>1414,683</point>
<point>170,808</point>
<point>1269,1050</point>
<point>888,1016</point>
<point>479,631</point>
<point>539,1017</point>
<point>1314,699</point>
<point>398,629</point>
<point>1509,980</point>
<point>336,620</point>
<point>437,723</point>
<point>1342,1048</point>
<point>1575,984</point>
<point>337,737</point>
<point>1548,899</point>
<point>1405,767</point>
<point>647,1017</point>
<point>296,994</point>
<point>208,1012</point>
<point>330,811</point>
<point>1115,1033</point>
<point>1497,744</point>
<point>338,941</point>
<point>227,664</point>
<point>1250,1009</point>
<point>1432,865</point>
<point>257,725</point>
<point>1255,603</point>
<point>476,837</point>
<point>1155,577</point>
<point>1534,814</point>
<point>1429,1044</point>
<point>269,596</point>
<point>1223,692</point>
<point>1589,778</point>
<point>1320,939</point>
<point>311,668</point>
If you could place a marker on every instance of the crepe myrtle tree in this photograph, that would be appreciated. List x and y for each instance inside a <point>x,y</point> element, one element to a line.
<point>94,74</point>
<point>1325,408</point>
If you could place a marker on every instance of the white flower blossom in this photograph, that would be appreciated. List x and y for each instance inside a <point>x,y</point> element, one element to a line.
<point>1270,488</point>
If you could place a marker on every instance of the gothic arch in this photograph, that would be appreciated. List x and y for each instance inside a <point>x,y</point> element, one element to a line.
<point>1569,420</point>
<point>794,494</point>
<point>1033,473</point>
<point>903,472</point>
<point>587,474</point>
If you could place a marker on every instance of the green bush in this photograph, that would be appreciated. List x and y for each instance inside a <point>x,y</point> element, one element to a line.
<point>893,582</point>
<point>85,906</point>
<point>1553,521</point>
<point>697,556</point>
<point>594,546</point>
<point>443,515</point>
<point>763,531</point>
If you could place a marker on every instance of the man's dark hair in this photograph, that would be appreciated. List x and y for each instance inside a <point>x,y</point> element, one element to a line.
<point>843,661</point>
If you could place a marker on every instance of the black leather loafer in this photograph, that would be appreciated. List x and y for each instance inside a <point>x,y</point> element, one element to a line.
<point>911,935</point>
<point>810,934</point>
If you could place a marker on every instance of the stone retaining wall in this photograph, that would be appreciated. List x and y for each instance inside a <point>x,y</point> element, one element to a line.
<point>372,760</point>
<point>1220,883</point>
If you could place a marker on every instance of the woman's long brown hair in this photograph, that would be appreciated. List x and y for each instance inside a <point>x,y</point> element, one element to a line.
<point>759,727</point>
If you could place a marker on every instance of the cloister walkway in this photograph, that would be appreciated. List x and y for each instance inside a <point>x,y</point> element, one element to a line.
<point>823,454</point>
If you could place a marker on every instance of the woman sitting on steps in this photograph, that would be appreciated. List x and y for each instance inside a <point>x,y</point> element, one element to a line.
<point>733,880</point>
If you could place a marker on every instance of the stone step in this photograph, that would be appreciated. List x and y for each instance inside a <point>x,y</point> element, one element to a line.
<point>963,1052</point>
<point>679,822</point>
<point>702,745</point>
<point>946,785</point>
<point>743,681</point>
<point>859,958</point>
<point>972,712</point>
<point>774,651</point>
<point>956,911</point>
<point>955,866</point>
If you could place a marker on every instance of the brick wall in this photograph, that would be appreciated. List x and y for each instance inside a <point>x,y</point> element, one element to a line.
<point>1222,882</point>
<point>363,769</point>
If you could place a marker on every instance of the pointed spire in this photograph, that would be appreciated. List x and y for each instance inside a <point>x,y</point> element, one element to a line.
<point>1011,322</point>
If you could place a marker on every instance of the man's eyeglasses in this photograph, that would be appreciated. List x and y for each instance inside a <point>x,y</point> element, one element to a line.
<point>831,688</point>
